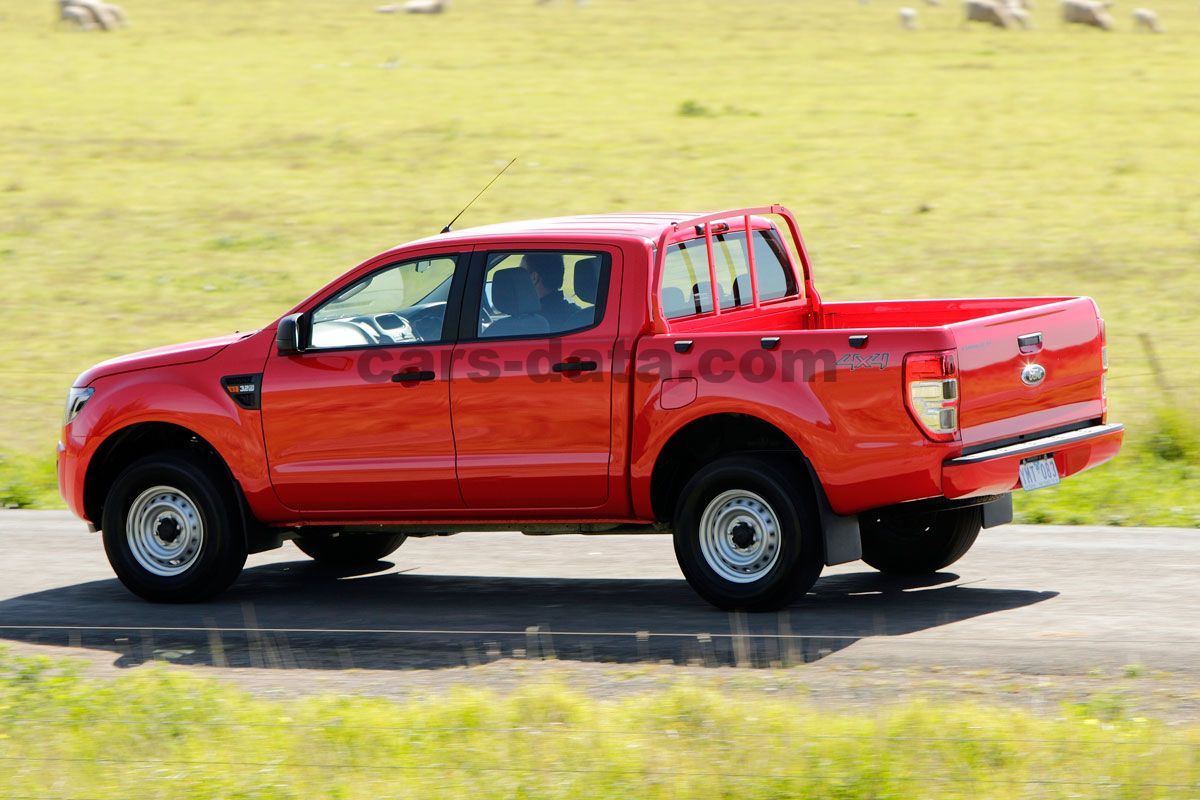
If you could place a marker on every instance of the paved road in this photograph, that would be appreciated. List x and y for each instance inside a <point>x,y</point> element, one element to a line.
<point>1027,598</point>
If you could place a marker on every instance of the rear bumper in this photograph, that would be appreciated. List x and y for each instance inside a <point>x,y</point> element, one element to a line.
<point>995,471</point>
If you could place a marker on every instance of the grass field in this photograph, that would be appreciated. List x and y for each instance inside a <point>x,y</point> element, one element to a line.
<point>204,169</point>
<point>168,735</point>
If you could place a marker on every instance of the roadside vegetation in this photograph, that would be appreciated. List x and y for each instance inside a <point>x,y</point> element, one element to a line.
<point>1154,481</point>
<point>206,168</point>
<point>170,734</point>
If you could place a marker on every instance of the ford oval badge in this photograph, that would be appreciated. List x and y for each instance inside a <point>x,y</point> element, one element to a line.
<point>1033,374</point>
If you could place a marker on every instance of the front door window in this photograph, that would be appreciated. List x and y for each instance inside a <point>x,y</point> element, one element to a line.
<point>400,304</point>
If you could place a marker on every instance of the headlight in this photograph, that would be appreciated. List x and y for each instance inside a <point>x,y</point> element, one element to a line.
<point>76,400</point>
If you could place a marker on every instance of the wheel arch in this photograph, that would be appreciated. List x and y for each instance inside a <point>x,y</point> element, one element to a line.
<point>132,442</point>
<point>700,440</point>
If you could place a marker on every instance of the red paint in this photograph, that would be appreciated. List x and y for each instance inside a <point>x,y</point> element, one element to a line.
<point>336,442</point>
<point>527,444</point>
<point>677,393</point>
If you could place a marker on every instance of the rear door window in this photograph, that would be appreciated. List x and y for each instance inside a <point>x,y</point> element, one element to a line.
<point>541,292</point>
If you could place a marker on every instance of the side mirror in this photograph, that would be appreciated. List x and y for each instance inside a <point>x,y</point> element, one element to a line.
<point>288,340</point>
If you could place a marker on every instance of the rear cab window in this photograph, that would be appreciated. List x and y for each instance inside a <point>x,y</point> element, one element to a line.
<point>686,285</point>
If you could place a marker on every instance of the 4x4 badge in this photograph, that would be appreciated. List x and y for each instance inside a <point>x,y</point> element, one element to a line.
<point>863,361</point>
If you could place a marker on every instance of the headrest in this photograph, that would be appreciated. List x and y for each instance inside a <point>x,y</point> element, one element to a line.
<point>587,278</point>
<point>675,303</point>
<point>513,292</point>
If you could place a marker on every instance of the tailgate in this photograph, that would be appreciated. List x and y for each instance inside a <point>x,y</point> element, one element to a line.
<point>1029,370</point>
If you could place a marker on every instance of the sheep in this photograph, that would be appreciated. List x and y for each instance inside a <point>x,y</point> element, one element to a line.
<point>425,6</point>
<point>908,18</point>
<point>1146,20</point>
<point>117,14</point>
<point>1019,9</point>
<point>92,14</point>
<point>99,18</point>
<point>87,15</point>
<point>1087,12</point>
<point>989,11</point>
<point>77,17</point>
<point>934,3</point>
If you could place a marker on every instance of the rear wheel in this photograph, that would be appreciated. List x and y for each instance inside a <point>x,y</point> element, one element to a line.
<point>350,549</point>
<point>747,535</point>
<point>172,530</point>
<point>921,543</point>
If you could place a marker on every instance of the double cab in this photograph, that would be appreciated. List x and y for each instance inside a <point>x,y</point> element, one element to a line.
<point>656,373</point>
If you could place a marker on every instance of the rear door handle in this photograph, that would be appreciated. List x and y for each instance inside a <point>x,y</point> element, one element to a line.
<point>412,377</point>
<point>575,366</point>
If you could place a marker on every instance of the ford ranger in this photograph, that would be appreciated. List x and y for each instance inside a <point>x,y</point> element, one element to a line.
<point>620,373</point>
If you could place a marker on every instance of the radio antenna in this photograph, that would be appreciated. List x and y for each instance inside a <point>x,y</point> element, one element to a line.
<point>476,197</point>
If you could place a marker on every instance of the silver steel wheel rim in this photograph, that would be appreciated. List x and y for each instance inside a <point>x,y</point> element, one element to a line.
<point>739,536</point>
<point>164,531</point>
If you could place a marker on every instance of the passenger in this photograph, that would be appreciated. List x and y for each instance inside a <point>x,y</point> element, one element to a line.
<point>546,272</point>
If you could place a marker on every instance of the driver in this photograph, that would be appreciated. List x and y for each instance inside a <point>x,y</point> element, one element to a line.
<point>546,272</point>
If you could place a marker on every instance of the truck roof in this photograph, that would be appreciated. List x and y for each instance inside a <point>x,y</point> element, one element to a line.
<point>639,225</point>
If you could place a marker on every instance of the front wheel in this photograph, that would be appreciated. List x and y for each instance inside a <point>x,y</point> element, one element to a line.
<point>350,550</point>
<point>171,529</point>
<point>747,534</point>
<point>922,543</point>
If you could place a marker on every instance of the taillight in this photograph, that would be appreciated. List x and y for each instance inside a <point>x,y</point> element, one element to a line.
<point>1103,345</point>
<point>932,397</point>
<point>1103,371</point>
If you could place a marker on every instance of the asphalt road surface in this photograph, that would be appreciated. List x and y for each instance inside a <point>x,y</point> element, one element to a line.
<point>1026,598</point>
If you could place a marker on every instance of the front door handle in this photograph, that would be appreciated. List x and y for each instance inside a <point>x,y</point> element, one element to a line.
<point>412,377</point>
<point>575,366</point>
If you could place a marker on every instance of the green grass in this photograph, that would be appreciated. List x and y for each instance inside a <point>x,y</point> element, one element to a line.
<point>169,734</point>
<point>27,482</point>
<point>219,160</point>
<point>1154,481</point>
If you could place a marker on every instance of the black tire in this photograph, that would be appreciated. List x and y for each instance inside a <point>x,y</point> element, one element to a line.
<point>218,551</point>
<point>920,544</point>
<point>350,550</point>
<point>783,488</point>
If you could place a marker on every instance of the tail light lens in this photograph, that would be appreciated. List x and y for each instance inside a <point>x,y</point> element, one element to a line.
<point>1103,371</point>
<point>1103,345</point>
<point>931,380</point>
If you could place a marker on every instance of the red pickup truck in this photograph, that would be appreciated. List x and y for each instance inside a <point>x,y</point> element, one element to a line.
<point>621,373</point>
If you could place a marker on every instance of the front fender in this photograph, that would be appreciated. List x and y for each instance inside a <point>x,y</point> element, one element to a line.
<point>189,396</point>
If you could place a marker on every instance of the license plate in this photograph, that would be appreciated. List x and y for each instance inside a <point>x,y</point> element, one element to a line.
<point>1038,473</point>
